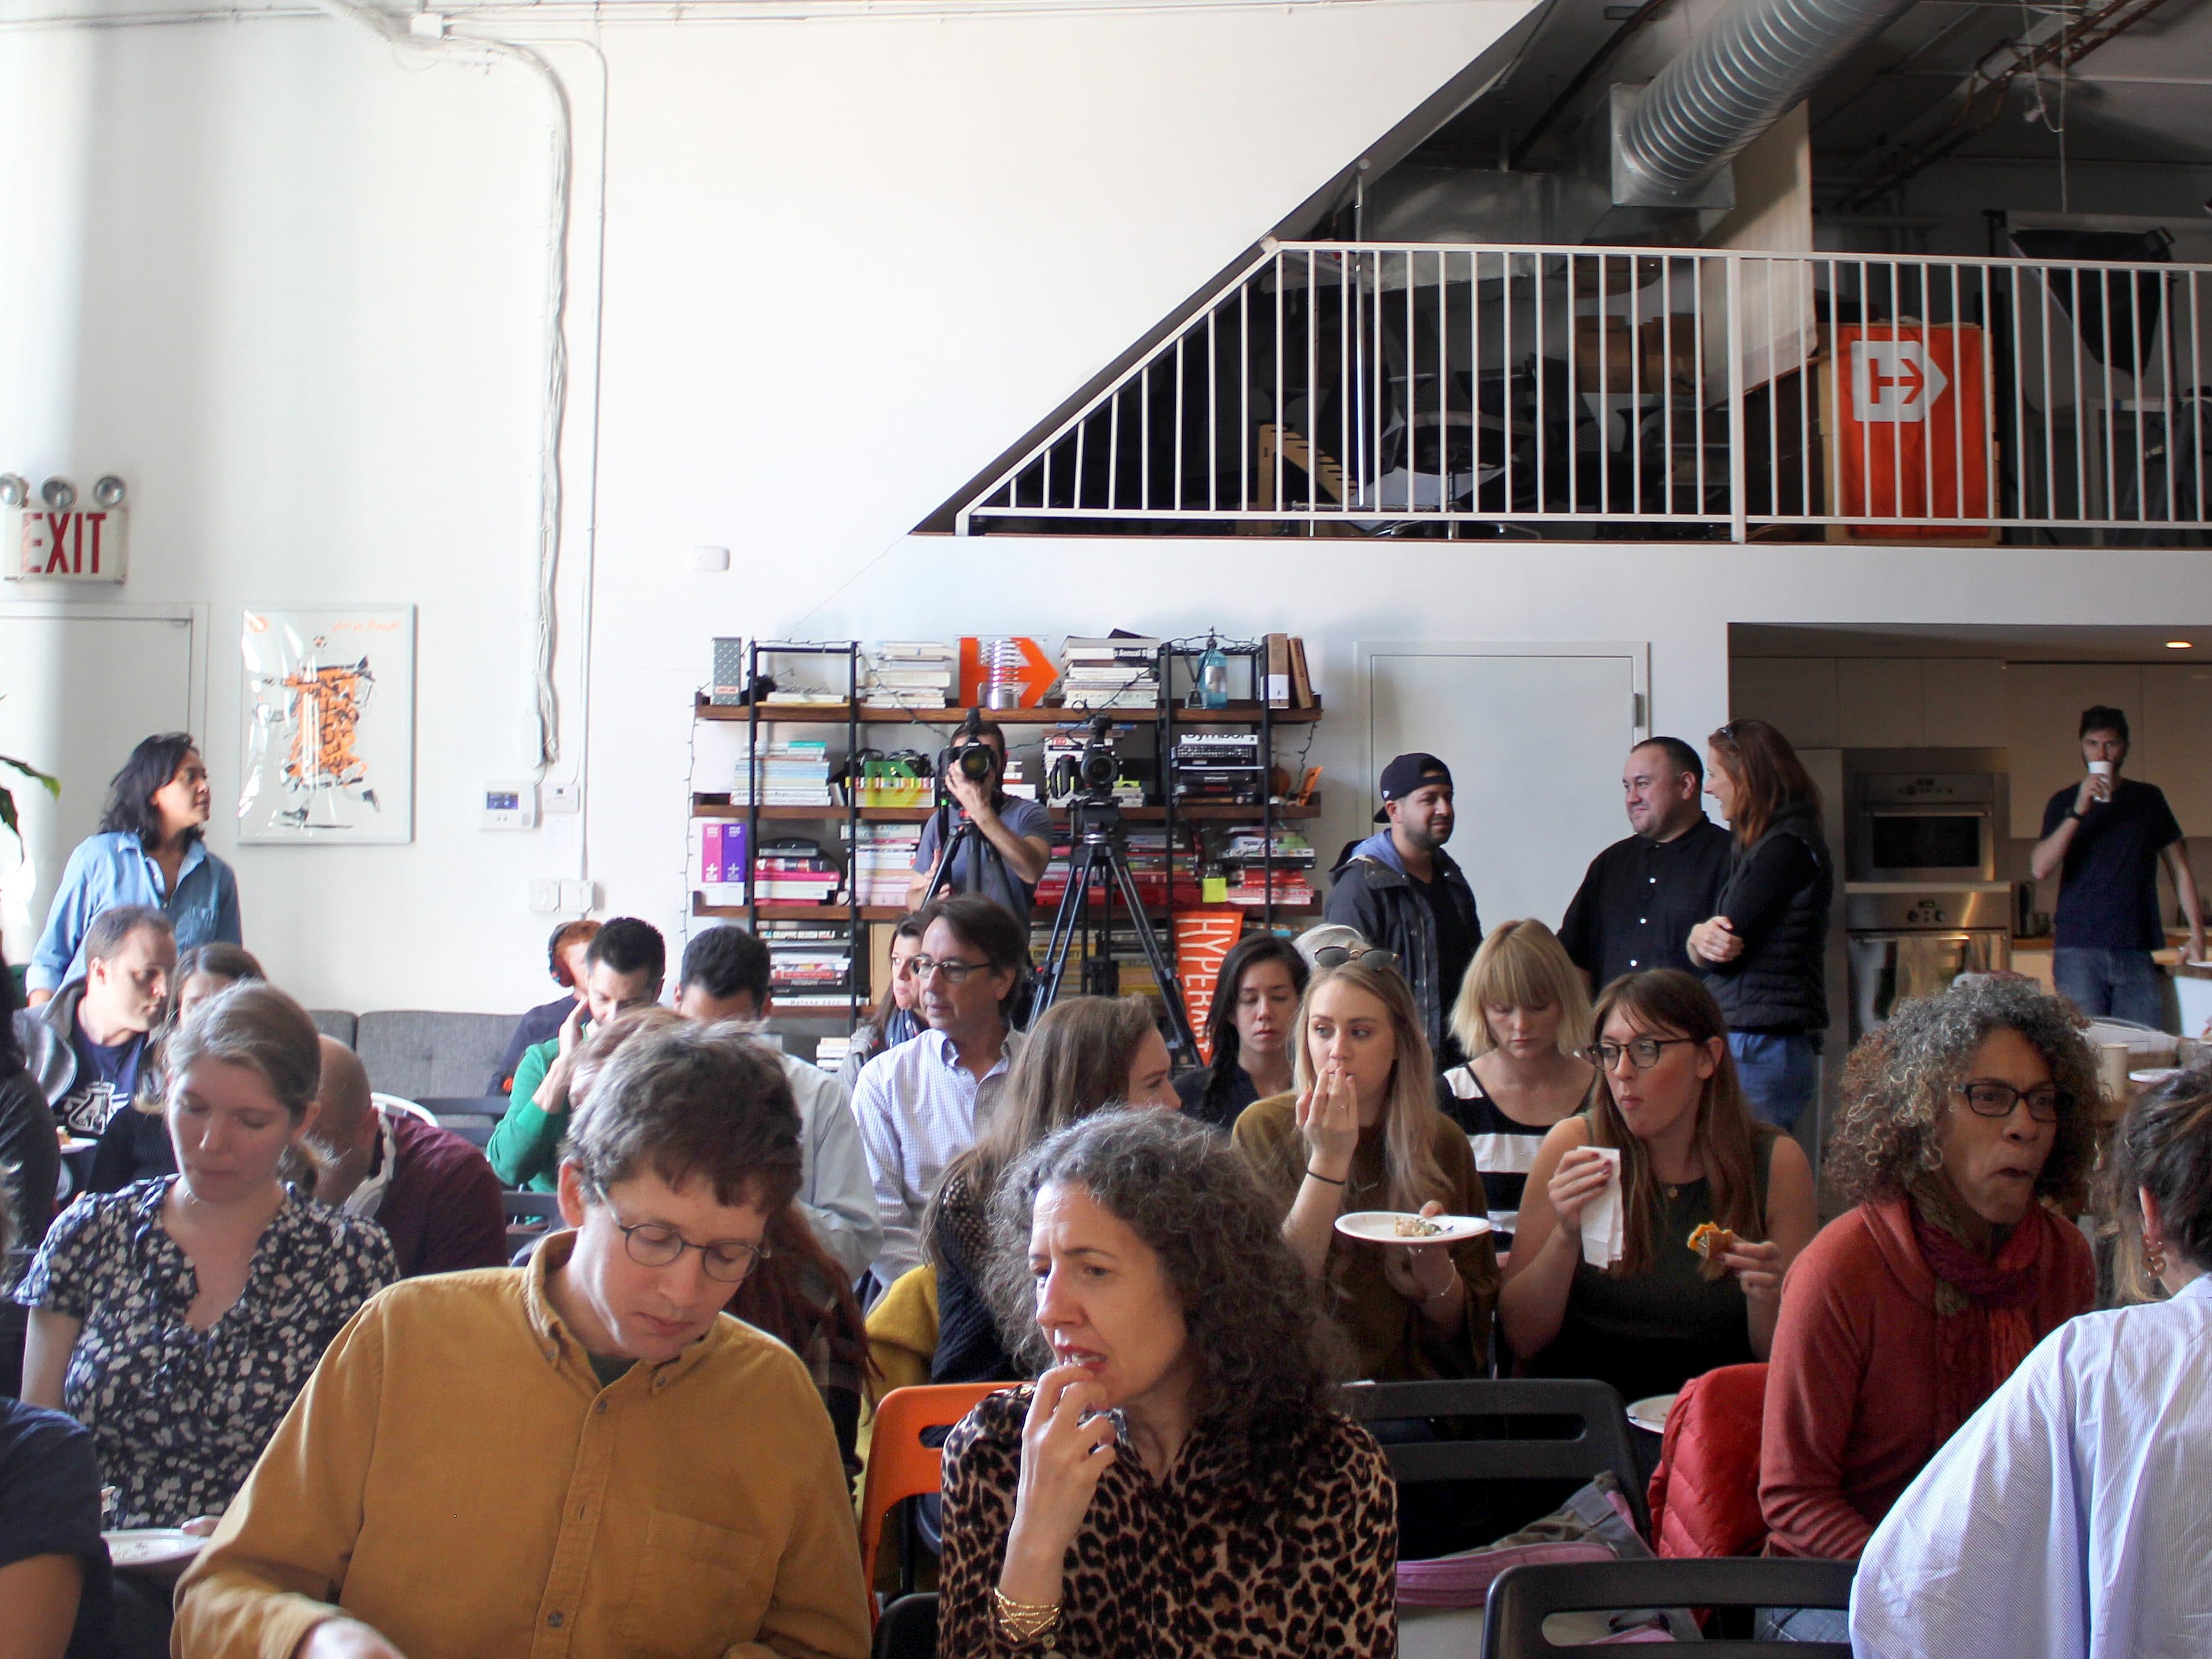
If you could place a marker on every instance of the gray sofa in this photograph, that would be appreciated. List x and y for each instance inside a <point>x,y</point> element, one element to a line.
<point>421,1054</point>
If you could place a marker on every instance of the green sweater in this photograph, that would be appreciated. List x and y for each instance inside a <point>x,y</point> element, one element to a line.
<point>524,1150</point>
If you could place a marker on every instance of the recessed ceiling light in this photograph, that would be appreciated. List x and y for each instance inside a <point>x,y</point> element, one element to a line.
<point>2178,645</point>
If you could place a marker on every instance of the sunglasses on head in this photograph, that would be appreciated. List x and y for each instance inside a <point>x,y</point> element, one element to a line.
<point>1335,956</point>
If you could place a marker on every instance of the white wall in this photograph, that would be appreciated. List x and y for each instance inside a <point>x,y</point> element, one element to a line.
<point>288,283</point>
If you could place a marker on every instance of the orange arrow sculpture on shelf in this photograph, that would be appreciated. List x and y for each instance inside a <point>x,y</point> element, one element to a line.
<point>1034,674</point>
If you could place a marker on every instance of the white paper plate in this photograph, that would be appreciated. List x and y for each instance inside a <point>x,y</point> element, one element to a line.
<point>1381,1227</point>
<point>2150,1075</point>
<point>152,1546</point>
<point>1651,1414</point>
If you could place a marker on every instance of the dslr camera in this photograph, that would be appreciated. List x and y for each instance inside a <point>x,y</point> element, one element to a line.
<point>968,753</point>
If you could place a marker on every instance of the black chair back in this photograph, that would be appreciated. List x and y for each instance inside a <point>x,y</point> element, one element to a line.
<point>1600,1443</point>
<point>907,1629</point>
<point>1523,1597</point>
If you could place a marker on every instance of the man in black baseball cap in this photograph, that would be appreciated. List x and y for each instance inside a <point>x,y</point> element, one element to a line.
<point>1404,893</point>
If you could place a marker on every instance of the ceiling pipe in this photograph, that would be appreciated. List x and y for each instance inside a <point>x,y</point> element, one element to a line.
<point>1734,82</point>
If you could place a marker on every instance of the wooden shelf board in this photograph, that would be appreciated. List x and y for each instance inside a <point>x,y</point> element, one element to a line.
<point>1208,813</point>
<point>818,714</point>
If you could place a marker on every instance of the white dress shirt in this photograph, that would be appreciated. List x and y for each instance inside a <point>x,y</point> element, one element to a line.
<point>2071,1517</point>
<point>918,1109</point>
<point>834,1193</point>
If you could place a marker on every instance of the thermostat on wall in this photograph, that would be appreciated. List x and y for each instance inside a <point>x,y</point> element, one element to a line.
<point>510,806</point>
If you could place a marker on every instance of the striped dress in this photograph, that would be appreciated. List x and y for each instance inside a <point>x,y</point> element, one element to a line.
<point>1503,1149</point>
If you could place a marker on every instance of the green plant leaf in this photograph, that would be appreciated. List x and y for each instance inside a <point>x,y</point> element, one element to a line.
<point>54,785</point>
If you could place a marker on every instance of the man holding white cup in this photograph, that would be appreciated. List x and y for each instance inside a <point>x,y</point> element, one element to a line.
<point>2104,839</point>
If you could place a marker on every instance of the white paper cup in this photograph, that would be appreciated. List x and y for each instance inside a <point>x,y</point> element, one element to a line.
<point>2101,769</point>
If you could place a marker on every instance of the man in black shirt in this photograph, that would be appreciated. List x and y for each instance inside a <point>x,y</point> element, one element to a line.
<point>1642,895</point>
<point>2104,839</point>
<point>1404,894</point>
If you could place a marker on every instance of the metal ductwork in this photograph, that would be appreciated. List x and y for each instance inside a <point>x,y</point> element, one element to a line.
<point>1734,82</point>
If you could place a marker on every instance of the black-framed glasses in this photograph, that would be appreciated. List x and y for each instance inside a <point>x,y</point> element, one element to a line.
<point>1642,1052</point>
<point>651,1244</point>
<point>955,973</point>
<point>1335,956</point>
<point>1987,1098</point>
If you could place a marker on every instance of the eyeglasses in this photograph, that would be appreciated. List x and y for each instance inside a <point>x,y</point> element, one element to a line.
<point>1642,1052</point>
<point>1987,1098</point>
<point>955,973</point>
<point>651,1245</point>
<point>1335,956</point>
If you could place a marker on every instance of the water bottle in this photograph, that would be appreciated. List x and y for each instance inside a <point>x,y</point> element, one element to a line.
<point>1212,677</point>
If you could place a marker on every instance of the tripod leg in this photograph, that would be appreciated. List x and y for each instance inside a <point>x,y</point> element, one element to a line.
<point>1064,922</point>
<point>1186,1040</point>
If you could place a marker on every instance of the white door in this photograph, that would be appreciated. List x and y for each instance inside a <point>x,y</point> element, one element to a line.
<point>1534,736</point>
<point>78,689</point>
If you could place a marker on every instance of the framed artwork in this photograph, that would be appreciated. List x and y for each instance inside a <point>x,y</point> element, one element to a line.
<point>328,754</point>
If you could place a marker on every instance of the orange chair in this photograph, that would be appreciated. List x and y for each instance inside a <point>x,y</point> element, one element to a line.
<point>899,1465</point>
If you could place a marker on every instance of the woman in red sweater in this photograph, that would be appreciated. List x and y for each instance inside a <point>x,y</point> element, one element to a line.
<point>1966,1119</point>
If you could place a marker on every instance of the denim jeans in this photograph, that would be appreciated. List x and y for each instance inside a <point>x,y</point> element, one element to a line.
<point>1781,1073</point>
<point>2125,984</point>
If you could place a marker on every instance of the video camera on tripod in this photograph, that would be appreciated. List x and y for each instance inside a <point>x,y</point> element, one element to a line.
<point>1089,775</point>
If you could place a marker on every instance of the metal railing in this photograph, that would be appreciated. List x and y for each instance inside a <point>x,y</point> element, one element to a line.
<point>1395,389</point>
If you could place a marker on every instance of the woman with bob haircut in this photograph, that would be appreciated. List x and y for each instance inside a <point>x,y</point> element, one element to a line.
<point>894,1018</point>
<point>1084,1052</point>
<point>1524,1019</point>
<point>1689,1158</point>
<point>1363,1133</point>
<point>1763,952</point>
<point>2067,1517</point>
<point>1965,1117</point>
<point>1178,1481</point>
<point>1248,1029</point>
<point>219,1281</point>
<point>150,850</point>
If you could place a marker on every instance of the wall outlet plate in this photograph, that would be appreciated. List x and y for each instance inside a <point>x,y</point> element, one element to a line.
<point>580,897</point>
<point>545,898</point>
<point>566,796</point>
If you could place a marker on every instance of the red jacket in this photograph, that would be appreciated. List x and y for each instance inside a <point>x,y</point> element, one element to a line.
<point>1850,1386</point>
<point>1704,1493</point>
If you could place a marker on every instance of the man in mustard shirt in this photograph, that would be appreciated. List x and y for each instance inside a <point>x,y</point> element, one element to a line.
<point>584,1457</point>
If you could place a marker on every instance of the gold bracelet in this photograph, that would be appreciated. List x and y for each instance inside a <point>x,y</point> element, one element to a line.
<point>1023,1621</point>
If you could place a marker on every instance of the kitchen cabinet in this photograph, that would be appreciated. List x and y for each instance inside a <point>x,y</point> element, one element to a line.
<point>2174,740</point>
<point>1962,702</point>
<point>2044,702</point>
<point>1795,694</point>
<point>1878,701</point>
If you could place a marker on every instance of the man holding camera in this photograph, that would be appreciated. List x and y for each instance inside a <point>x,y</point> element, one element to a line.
<point>1016,834</point>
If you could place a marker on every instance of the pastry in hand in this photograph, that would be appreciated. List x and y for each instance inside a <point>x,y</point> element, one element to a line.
<point>1713,1244</point>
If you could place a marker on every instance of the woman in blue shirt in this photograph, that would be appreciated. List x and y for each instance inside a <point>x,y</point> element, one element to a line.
<point>150,850</point>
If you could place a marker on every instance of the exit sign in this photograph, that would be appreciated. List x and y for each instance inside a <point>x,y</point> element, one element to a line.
<point>85,544</point>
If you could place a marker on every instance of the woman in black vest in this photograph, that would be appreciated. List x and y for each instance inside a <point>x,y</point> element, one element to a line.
<point>1762,953</point>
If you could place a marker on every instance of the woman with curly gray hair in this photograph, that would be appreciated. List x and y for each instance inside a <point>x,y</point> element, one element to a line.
<point>1177,1482</point>
<point>1966,1120</point>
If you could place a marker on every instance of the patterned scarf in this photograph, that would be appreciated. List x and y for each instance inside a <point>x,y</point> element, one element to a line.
<point>1982,1329</point>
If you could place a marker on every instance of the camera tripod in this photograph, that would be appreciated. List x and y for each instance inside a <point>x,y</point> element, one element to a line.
<point>1098,843</point>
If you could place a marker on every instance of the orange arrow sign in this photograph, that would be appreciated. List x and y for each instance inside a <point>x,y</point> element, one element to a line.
<point>1035,676</point>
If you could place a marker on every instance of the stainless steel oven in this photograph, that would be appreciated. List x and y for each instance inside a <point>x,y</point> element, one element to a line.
<point>1928,827</point>
<point>1907,940</point>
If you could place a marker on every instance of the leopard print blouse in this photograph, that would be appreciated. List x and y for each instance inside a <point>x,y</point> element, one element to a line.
<point>1207,1565</point>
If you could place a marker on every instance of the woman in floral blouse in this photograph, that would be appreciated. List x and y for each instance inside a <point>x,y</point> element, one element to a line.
<point>177,1318</point>
<point>1176,1483</point>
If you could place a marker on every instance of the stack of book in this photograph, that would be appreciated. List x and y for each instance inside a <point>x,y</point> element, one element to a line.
<point>830,1052</point>
<point>1134,975</point>
<point>1247,851</point>
<point>792,870</point>
<point>810,965</point>
<point>1148,869</point>
<point>883,862</point>
<point>908,674</point>
<point>794,772</point>
<point>1119,671</point>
